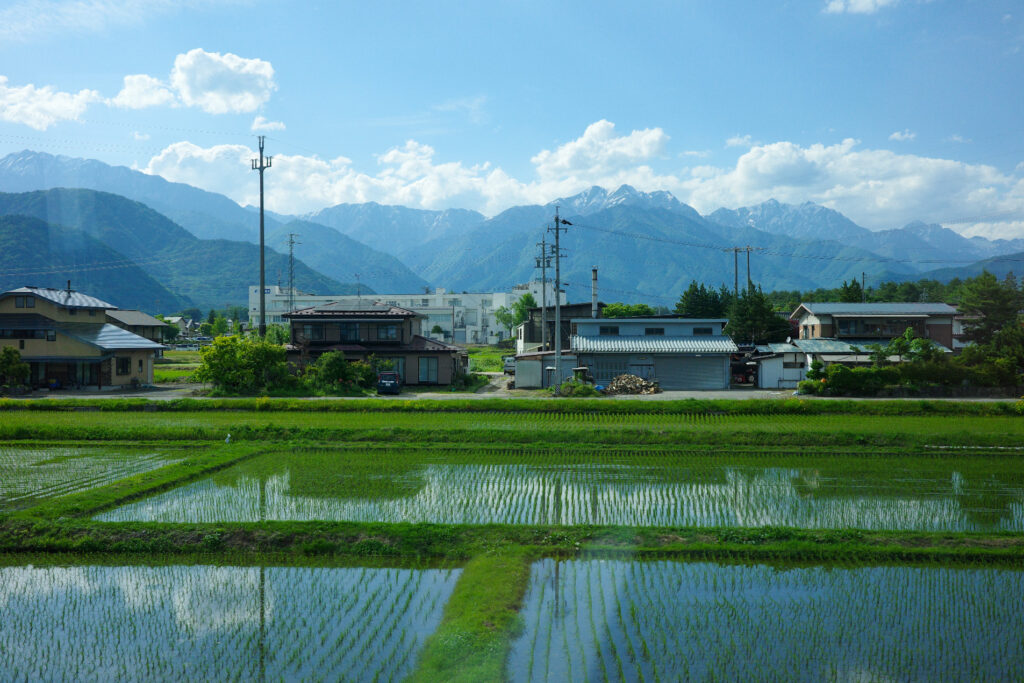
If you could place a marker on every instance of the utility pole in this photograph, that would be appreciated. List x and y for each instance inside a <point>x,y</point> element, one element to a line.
<point>863,292</point>
<point>359,291</point>
<point>736,266</point>
<point>558,230</point>
<point>543,261</point>
<point>262,164</point>
<point>291,270</point>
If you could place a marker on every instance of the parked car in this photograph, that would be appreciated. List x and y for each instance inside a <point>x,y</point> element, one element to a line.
<point>509,364</point>
<point>389,382</point>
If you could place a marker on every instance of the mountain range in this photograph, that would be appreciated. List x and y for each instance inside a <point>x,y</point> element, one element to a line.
<point>647,246</point>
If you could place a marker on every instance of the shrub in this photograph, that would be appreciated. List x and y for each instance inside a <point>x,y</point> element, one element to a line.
<point>243,366</point>
<point>332,374</point>
<point>575,389</point>
<point>816,371</point>
<point>809,386</point>
<point>12,369</point>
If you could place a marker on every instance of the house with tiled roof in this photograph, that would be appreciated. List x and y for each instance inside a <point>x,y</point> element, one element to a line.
<point>875,323</point>
<point>384,331</point>
<point>67,340</point>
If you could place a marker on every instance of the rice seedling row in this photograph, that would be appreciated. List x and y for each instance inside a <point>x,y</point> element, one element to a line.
<point>645,488</point>
<point>34,474</point>
<point>216,623</point>
<point>628,621</point>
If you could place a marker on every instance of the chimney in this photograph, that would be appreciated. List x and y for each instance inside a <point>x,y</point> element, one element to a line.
<point>69,286</point>
<point>593,292</point>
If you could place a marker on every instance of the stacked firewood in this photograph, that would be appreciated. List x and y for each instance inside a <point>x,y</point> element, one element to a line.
<point>631,384</point>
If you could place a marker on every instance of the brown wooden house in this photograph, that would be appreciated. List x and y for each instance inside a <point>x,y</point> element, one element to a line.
<point>386,332</point>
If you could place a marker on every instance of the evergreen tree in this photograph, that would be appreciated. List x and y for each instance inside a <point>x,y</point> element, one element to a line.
<point>752,319</point>
<point>990,306</point>
<point>851,292</point>
<point>699,301</point>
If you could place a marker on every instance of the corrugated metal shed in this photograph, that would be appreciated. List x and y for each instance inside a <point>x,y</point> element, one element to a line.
<point>645,344</point>
<point>62,297</point>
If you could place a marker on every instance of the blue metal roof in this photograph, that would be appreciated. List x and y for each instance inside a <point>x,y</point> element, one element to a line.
<point>105,336</point>
<point>832,308</point>
<point>62,297</point>
<point>650,344</point>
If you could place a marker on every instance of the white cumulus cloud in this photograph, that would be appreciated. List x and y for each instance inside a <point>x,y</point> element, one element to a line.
<point>141,91</point>
<point>905,135</point>
<point>875,187</point>
<point>739,141</point>
<point>260,123</point>
<point>856,6</point>
<point>222,83</point>
<point>599,151</point>
<point>41,108</point>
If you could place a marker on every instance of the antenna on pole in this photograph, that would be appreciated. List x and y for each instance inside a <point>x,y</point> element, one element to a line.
<point>262,164</point>
<point>291,269</point>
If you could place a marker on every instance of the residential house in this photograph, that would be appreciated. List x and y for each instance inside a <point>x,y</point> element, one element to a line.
<point>66,339</point>
<point>138,323</point>
<point>386,332</point>
<point>678,353</point>
<point>463,317</point>
<point>876,323</point>
<point>185,325</point>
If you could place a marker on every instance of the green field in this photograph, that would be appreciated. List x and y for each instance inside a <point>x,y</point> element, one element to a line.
<point>518,540</point>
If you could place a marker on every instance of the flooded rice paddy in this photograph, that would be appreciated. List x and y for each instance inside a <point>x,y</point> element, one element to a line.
<point>593,620</point>
<point>33,474</point>
<point>648,488</point>
<point>202,623</point>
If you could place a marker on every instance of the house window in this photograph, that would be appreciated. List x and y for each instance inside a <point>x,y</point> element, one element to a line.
<point>72,311</point>
<point>24,302</point>
<point>387,332</point>
<point>349,331</point>
<point>702,331</point>
<point>428,371</point>
<point>124,366</point>
<point>92,312</point>
<point>608,330</point>
<point>654,331</point>
<point>313,332</point>
<point>424,302</point>
<point>51,335</point>
<point>140,366</point>
<point>398,365</point>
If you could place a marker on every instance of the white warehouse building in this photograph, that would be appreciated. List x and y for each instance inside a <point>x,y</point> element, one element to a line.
<point>469,314</point>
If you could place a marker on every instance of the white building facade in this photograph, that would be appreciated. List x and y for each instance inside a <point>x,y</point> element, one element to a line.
<point>465,317</point>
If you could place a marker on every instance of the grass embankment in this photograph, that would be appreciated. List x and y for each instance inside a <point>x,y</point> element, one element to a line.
<point>569,406</point>
<point>794,431</point>
<point>480,620</point>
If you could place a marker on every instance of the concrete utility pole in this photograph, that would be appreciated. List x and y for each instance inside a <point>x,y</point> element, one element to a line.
<point>543,261</point>
<point>262,164</point>
<point>291,269</point>
<point>558,230</point>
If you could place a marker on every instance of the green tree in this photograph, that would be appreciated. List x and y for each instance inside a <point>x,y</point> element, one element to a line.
<point>171,332</point>
<point>752,319</point>
<point>437,329</point>
<point>505,317</point>
<point>851,292</point>
<point>333,374</point>
<point>277,334</point>
<point>206,329</point>
<point>211,316</point>
<point>12,369</point>
<point>699,301</point>
<point>191,314</point>
<point>220,326</point>
<point>989,306</point>
<point>243,365</point>
<point>621,310</point>
<point>521,308</point>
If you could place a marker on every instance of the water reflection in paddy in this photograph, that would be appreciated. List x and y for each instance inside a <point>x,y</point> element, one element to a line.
<point>978,494</point>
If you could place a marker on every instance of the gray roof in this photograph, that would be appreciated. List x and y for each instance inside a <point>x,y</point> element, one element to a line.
<point>651,344</point>
<point>847,346</point>
<point>130,317</point>
<point>876,309</point>
<point>62,297</point>
<point>105,336</point>
<point>344,309</point>
<point>777,348</point>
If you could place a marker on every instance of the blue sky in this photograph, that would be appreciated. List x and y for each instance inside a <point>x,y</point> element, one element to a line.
<point>887,110</point>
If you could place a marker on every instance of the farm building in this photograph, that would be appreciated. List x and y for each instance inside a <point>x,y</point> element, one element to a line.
<point>65,338</point>
<point>678,353</point>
